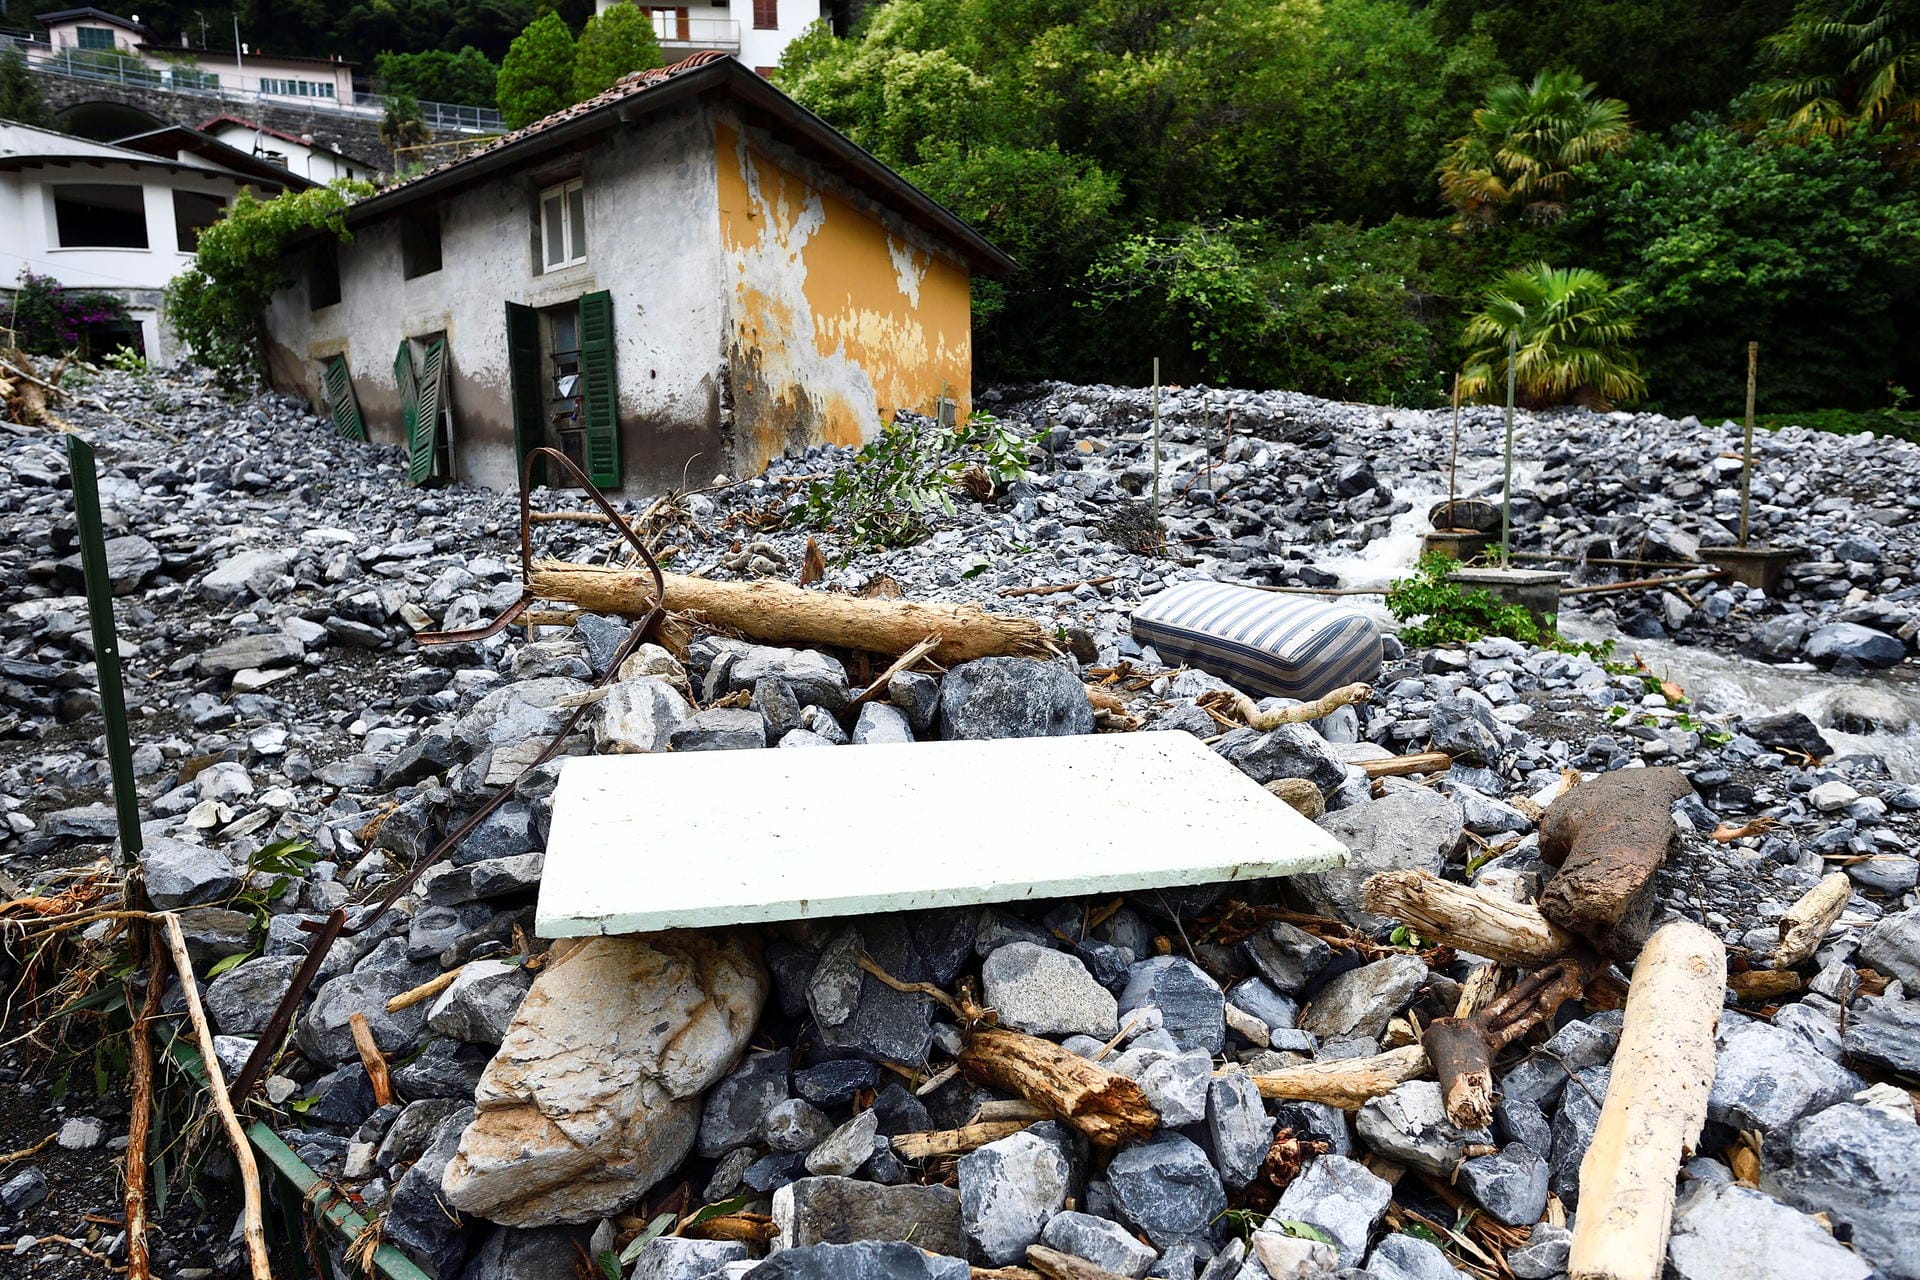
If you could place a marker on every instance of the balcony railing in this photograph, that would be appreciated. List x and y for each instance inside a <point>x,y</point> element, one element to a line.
<point>676,32</point>
<point>86,64</point>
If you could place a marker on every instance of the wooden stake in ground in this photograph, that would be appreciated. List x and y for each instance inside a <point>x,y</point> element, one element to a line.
<point>1807,921</point>
<point>1103,1104</point>
<point>1346,1083</point>
<point>140,1113</point>
<point>1656,1104</point>
<point>778,613</point>
<point>1487,924</point>
<point>252,1228</point>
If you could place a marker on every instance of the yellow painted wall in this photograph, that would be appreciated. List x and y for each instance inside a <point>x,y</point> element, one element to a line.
<point>834,322</point>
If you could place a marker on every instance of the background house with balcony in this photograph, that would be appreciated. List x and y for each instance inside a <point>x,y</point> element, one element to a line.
<point>118,218</point>
<point>755,31</point>
<point>303,154</point>
<point>689,269</point>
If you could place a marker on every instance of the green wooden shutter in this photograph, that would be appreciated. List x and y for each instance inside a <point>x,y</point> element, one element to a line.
<point>525,382</point>
<point>426,420</point>
<point>409,386</point>
<point>599,409</point>
<point>341,403</point>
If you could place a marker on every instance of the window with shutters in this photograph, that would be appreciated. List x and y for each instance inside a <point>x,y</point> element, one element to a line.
<point>766,15</point>
<point>94,37</point>
<point>563,225</point>
<point>560,369</point>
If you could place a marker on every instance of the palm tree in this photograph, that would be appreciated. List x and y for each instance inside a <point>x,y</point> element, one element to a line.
<point>1524,145</point>
<point>1846,66</point>
<point>401,127</point>
<point>1571,328</point>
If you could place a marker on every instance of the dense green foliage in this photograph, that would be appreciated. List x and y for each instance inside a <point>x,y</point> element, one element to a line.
<point>19,92</point>
<point>218,305</point>
<point>617,42</point>
<point>45,318</point>
<point>1257,191</point>
<point>1433,609</point>
<point>435,75</point>
<point>536,76</point>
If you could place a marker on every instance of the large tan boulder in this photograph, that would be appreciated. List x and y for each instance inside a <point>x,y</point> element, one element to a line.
<point>595,1093</point>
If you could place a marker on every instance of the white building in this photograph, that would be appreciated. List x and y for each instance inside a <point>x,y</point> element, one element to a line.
<point>301,155</point>
<point>755,31</point>
<point>87,40</point>
<point>118,218</point>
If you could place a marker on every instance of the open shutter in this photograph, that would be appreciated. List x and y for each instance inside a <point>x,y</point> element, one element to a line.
<point>426,424</point>
<point>409,386</point>
<point>341,403</point>
<point>524,382</point>
<point>599,409</point>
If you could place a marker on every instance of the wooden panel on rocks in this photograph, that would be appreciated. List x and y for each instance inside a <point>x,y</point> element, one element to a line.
<point>695,839</point>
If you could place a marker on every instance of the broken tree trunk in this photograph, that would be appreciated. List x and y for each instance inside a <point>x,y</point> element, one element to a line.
<point>1463,1048</point>
<point>1807,921</point>
<point>1608,835</point>
<point>1656,1104</point>
<point>1346,1083</point>
<point>1103,1104</point>
<point>1487,924</point>
<point>955,1142</point>
<point>778,613</point>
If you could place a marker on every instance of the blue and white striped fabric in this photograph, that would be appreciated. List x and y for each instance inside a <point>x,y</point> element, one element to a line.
<point>1264,643</point>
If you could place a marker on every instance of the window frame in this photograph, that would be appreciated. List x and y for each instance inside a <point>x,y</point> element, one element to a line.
<point>70,199</point>
<point>82,36</point>
<point>766,15</point>
<point>572,254</point>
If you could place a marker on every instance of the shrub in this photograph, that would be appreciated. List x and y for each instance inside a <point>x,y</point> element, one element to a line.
<point>49,319</point>
<point>1571,328</point>
<point>888,493</point>
<point>1433,609</point>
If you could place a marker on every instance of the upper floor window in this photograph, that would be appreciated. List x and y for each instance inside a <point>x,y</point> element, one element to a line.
<point>766,15</point>
<point>194,211</point>
<point>420,243</point>
<point>323,274</point>
<point>89,215</point>
<point>94,37</point>
<point>563,225</point>
<point>296,88</point>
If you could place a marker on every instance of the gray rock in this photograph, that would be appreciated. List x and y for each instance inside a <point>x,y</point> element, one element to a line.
<point>1104,1243</point>
<point>23,1190</point>
<point>639,715</point>
<point>413,1131</point>
<point>1360,1001</point>
<point>488,878</point>
<point>1409,1125</point>
<point>444,1069</point>
<point>1290,751</point>
<point>1893,947</point>
<point>1405,829</point>
<point>1544,1255</point>
<point>813,1211</point>
<point>1540,1076</point>
<point>1289,957</point>
<point>815,678</point>
<point>417,1220</point>
<point>385,972</point>
<point>678,1258</point>
<point>918,696</point>
<point>131,560</point>
<point>1046,992</point>
<point>775,702</point>
<point>243,575</point>
<point>178,874</point>
<point>1573,1128</point>
<point>735,1111</point>
<point>1735,1233</point>
<point>1238,1128</point>
<point>1013,698</point>
<point>1166,1187</point>
<point>795,1125</point>
<point>480,1004</point>
<point>1510,1184</point>
<point>880,723</point>
<point>514,1253</point>
<point>1790,729</point>
<point>842,1152</point>
<point>1009,1190</point>
<point>863,1260</point>
<point>1339,1197</point>
<point>271,649</point>
<point>1175,1083</point>
<point>1886,1033</point>
<point>1829,644</point>
<point>81,1133</point>
<point>242,1000</point>
<point>1766,1077</point>
<point>1861,1167</point>
<point>1404,1257</point>
<point>720,729</point>
<point>1192,1006</point>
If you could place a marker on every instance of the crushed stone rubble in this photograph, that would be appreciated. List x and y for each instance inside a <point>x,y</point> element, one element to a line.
<point>270,576</point>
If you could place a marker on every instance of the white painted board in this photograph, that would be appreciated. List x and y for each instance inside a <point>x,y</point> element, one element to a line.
<point>705,838</point>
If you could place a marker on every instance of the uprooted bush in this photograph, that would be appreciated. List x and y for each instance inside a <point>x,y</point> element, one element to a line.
<point>888,494</point>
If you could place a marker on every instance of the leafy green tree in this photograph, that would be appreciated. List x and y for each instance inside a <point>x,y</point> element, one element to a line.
<point>614,43</point>
<point>1811,249</point>
<point>401,127</point>
<point>1572,329</point>
<point>19,93</point>
<point>465,78</point>
<point>1525,144</point>
<point>1847,66</point>
<point>536,76</point>
<point>218,305</point>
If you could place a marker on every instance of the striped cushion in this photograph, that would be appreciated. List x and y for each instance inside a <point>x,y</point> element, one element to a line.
<point>1268,644</point>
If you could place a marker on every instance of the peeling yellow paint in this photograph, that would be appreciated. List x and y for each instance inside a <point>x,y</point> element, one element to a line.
<point>835,323</point>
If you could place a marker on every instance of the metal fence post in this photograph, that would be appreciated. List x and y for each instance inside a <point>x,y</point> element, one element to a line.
<point>106,643</point>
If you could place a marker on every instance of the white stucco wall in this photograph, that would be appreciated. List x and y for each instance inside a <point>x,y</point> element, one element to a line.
<point>728,28</point>
<point>317,163</point>
<point>137,275</point>
<point>651,213</point>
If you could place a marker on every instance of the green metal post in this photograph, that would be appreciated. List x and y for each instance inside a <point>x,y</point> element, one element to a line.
<point>1506,490</point>
<point>106,643</point>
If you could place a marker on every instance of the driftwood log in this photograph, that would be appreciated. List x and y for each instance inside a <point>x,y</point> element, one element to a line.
<point>1463,1048</point>
<point>1101,1103</point>
<point>1346,1083</point>
<point>778,613</point>
<point>1807,921</point>
<point>1608,835</point>
<point>1055,1265</point>
<point>955,1142</point>
<point>1487,924</point>
<point>1656,1104</point>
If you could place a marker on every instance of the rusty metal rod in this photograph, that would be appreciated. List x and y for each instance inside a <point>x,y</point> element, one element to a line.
<point>1605,588</point>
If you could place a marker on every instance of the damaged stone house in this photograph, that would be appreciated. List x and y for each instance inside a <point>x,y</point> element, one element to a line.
<point>688,270</point>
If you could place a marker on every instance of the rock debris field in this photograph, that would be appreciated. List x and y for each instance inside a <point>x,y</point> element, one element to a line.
<point>821,1099</point>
